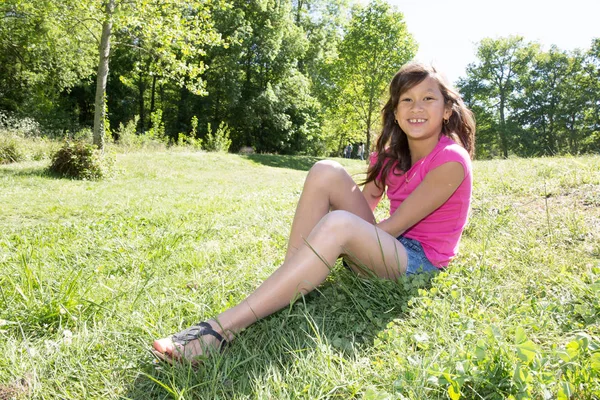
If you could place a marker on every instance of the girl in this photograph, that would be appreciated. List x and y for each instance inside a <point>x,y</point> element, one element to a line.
<point>422,162</point>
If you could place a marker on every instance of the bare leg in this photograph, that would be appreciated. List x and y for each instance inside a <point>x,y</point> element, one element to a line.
<point>338,232</point>
<point>328,186</point>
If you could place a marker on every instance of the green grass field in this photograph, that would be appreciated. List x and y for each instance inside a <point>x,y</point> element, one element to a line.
<point>92,272</point>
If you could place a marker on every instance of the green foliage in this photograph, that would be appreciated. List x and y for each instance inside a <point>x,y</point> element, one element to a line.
<point>219,142</point>
<point>175,35</point>
<point>10,149</point>
<point>363,74</point>
<point>20,141</point>
<point>126,134</point>
<point>22,127</point>
<point>81,160</point>
<point>82,135</point>
<point>157,130</point>
<point>530,102</point>
<point>300,77</point>
<point>127,138</point>
<point>191,139</point>
<point>43,52</point>
<point>493,82</point>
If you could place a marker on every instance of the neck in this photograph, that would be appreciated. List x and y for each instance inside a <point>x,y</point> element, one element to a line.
<point>419,149</point>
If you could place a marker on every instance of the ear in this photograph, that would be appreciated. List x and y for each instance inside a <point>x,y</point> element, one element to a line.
<point>448,111</point>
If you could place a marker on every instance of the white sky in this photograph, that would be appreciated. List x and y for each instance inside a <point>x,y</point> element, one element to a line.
<point>447,30</point>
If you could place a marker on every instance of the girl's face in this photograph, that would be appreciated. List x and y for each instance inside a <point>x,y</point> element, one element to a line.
<point>421,110</point>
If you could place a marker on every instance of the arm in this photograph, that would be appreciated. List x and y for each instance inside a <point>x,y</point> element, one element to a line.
<point>372,194</point>
<point>436,188</point>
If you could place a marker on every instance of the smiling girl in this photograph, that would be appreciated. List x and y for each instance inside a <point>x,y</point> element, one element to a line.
<point>422,163</point>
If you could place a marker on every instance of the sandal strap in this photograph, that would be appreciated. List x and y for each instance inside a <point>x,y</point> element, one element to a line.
<point>195,332</point>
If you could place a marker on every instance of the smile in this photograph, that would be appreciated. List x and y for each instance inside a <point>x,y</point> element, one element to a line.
<point>416,121</point>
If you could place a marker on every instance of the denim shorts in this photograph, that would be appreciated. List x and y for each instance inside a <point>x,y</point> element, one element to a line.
<point>417,261</point>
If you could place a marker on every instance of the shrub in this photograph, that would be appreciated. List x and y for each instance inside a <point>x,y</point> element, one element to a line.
<point>190,140</point>
<point>11,149</point>
<point>220,141</point>
<point>126,133</point>
<point>83,135</point>
<point>80,160</point>
<point>185,140</point>
<point>40,148</point>
<point>157,131</point>
<point>24,127</point>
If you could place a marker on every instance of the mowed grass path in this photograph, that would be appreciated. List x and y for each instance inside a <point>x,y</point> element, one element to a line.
<point>92,272</point>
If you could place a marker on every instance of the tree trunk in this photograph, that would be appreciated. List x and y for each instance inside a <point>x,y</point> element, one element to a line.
<point>300,60</point>
<point>503,138</point>
<point>100,111</point>
<point>367,149</point>
<point>153,94</point>
<point>368,146</point>
<point>142,89</point>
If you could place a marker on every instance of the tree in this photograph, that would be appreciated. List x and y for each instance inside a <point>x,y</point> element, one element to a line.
<point>494,78</point>
<point>175,33</point>
<point>575,101</point>
<point>104,49</point>
<point>540,106</point>
<point>591,77</point>
<point>375,46</point>
<point>43,52</point>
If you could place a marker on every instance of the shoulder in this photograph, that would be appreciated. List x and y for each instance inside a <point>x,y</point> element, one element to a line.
<point>450,151</point>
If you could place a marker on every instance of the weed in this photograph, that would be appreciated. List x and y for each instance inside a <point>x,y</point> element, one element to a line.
<point>219,141</point>
<point>11,149</point>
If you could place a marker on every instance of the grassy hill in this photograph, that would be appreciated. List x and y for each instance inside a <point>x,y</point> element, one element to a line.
<point>92,272</point>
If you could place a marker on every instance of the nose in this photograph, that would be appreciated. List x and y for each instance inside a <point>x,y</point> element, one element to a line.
<point>417,106</point>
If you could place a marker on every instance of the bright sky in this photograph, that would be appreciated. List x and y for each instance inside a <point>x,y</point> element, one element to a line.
<point>447,30</point>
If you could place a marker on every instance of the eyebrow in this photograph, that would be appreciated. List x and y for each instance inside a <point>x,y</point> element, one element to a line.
<point>428,90</point>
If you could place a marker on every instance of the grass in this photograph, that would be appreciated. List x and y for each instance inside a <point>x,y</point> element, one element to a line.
<point>92,272</point>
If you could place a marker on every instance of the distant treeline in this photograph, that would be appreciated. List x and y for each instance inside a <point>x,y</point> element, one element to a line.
<point>290,77</point>
<point>532,102</point>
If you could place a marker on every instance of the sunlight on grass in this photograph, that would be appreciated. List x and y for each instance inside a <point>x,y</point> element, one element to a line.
<point>92,272</point>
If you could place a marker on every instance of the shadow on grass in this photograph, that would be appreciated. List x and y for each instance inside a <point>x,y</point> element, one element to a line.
<point>42,172</point>
<point>302,163</point>
<point>341,318</point>
<point>7,171</point>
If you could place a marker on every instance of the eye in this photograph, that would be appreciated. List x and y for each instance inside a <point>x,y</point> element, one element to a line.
<point>429,98</point>
<point>405,99</point>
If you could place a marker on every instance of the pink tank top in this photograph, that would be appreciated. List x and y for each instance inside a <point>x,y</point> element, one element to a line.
<point>439,233</point>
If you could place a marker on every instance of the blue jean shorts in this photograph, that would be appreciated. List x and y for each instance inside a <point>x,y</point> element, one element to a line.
<point>417,261</point>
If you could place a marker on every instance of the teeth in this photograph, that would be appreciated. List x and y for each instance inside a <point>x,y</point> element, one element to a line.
<point>416,120</point>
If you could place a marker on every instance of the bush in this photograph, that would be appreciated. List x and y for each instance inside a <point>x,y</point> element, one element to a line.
<point>157,131</point>
<point>11,149</point>
<point>190,140</point>
<point>38,149</point>
<point>126,133</point>
<point>24,127</point>
<point>80,160</point>
<point>83,135</point>
<point>220,142</point>
<point>128,139</point>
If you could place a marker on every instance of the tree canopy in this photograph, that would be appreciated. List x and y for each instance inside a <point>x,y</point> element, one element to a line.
<point>532,102</point>
<point>282,76</point>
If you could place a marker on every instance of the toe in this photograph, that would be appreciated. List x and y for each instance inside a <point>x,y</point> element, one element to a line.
<point>164,345</point>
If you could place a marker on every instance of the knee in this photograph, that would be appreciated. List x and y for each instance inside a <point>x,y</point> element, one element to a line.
<point>325,171</point>
<point>339,223</point>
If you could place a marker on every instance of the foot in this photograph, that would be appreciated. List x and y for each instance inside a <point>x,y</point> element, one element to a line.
<point>192,344</point>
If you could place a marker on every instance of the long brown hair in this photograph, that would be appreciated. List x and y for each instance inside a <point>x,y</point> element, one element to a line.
<point>392,145</point>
